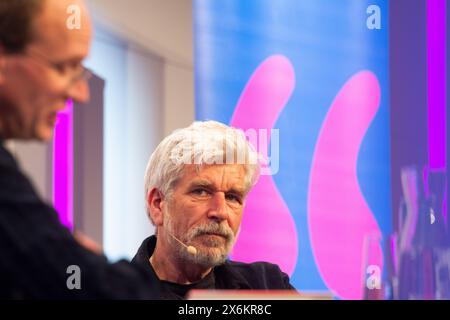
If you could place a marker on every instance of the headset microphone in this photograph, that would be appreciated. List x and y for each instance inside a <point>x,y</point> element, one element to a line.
<point>191,249</point>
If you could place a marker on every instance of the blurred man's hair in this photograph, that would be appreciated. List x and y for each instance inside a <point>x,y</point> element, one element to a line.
<point>16,23</point>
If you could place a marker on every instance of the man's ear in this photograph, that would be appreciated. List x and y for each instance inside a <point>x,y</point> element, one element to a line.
<point>2,64</point>
<point>155,201</point>
<point>2,68</point>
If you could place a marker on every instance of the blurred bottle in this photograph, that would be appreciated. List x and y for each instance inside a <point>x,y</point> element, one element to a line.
<point>437,192</point>
<point>374,288</point>
<point>423,237</point>
<point>391,258</point>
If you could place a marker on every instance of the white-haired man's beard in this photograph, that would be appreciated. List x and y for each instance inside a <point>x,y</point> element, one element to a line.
<point>211,250</point>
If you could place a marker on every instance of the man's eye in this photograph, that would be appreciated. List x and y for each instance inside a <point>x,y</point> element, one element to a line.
<point>200,192</point>
<point>233,197</point>
<point>66,68</point>
<point>61,68</point>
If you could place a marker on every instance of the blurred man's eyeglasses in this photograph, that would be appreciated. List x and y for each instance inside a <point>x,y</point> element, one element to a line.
<point>72,72</point>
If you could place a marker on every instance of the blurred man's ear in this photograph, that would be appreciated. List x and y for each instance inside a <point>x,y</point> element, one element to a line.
<point>155,201</point>
<point>2,64</point>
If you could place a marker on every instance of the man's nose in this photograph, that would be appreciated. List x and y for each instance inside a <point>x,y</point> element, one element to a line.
<point>218,209</point>
<point>79,91</point>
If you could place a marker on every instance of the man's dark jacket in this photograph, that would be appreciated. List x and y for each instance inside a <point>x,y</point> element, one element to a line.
<point>230,275</point>
<point>36,251</point>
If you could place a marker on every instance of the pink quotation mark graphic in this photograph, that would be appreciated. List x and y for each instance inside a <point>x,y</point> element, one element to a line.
<point>338,215</point>
<point>268,230</point>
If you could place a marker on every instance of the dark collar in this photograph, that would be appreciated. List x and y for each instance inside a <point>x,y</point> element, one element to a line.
<point>226,275</point>
<point>142,260</point>
<point>145,251</point>
<point>6,158</point>
<point>14,185</point>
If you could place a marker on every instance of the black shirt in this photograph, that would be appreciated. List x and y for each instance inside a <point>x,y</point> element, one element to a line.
<point>180,290</point>
<point>36,251</point>
<point>229,275</point>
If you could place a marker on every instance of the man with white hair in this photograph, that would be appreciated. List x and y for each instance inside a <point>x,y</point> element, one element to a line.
<point>196,183</point>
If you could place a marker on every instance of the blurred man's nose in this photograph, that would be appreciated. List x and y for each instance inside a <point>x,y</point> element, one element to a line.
<point>218,207</point>
<point>79,91</point>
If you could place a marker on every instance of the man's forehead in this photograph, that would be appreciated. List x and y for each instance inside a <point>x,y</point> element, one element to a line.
<point>54,31</point>
<point>232,175</point>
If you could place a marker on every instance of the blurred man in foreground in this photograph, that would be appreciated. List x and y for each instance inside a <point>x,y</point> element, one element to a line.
<point>40,69</point>
<point>195,187</point>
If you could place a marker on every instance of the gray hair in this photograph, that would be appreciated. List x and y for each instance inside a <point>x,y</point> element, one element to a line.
<point>202,143</point>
